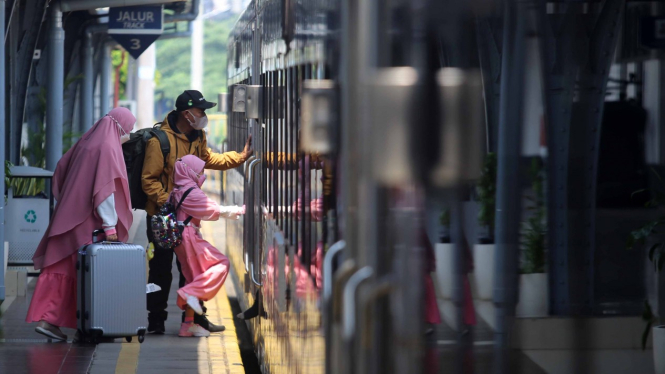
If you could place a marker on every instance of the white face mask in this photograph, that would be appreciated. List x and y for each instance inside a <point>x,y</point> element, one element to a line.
<point>124,137</point>
<point>199,123</point>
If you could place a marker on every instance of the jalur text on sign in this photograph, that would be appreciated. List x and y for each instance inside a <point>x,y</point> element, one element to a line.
<point>135,20</point>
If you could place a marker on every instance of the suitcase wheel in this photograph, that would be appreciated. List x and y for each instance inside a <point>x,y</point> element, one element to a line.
<point>141,337</point>
<point>128,339</point>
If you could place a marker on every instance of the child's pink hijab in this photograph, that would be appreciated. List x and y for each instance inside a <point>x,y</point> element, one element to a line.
<point>186,170</point>
<point>87,174</point>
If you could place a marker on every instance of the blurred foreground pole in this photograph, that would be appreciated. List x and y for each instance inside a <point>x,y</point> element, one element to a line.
<point>2,150</point>
<point>56,78</point>
<point>508,207</point>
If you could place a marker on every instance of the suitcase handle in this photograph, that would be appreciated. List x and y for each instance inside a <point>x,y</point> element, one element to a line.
<point>95,235</point>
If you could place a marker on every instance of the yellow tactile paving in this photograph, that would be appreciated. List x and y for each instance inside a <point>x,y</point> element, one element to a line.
<point>128,359</point>
<point>223,349</point>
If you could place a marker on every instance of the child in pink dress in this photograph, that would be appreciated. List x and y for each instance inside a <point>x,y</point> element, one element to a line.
<point>205,268</point>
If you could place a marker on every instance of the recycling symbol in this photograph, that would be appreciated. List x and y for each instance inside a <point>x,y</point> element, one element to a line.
<point>31,216</point>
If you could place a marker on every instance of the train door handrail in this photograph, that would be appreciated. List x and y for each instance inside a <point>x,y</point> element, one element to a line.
<point>245,252</point>
<point>250,258</point>
<point>333,251</point>
<point>248,162</point>
<point>349,315</point>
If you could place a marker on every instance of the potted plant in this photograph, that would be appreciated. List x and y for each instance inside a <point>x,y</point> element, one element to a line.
<point>638,238</point>
<point>483,252</point>
<point>533,279</point>
<point>444,252</point>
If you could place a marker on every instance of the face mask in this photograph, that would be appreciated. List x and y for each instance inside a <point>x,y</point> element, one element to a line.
<point>124,137</point>
<point>199,123</point>
<point>202,178</point>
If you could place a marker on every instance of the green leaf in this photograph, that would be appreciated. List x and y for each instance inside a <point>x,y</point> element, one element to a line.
<point>656,259</point>
<point>653,249</point>
<point>630,242</point>
<point>657,175</point>
<point>647,314</point>
<point>645,335</point>
<point>637,192</point>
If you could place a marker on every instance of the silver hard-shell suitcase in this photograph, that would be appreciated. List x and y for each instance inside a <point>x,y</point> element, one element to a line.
<point>111,280</point>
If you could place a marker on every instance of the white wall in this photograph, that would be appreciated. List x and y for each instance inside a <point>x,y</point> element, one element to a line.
<point>145,99</point>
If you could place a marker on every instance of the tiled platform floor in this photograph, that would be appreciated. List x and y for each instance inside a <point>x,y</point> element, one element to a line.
<point>22,351</point>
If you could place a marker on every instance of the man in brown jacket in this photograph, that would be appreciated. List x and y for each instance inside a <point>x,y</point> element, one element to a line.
<point>183,128</point>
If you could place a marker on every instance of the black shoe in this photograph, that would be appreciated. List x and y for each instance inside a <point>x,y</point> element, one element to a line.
<point>250,313</point>
<point>156,327</point>
<point>253,311</point>
<point>206,324</point>
<point>215,328</point>
<point>205,310</point>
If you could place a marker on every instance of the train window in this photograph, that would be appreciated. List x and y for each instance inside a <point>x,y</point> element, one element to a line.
<point>288,129</point>
<point>263,140</point>
<point>275,154</point>
<point>237,54</point>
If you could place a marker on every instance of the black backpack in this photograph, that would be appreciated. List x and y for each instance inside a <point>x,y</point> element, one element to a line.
<point>133,152</point>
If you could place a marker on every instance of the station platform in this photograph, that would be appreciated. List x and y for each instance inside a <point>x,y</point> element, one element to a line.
<point>23,351</point>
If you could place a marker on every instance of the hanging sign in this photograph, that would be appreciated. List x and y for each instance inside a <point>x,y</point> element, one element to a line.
<point>136,27</point>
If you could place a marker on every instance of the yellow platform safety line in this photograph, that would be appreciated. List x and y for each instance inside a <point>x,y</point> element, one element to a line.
<point>128,359</point>
<point>223,348</point>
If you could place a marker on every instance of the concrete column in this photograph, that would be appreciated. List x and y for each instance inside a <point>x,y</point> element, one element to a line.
<point>3,115</point>
<point>145,100</point>
<point>197,51</point>
<point>56,55</point>
<point>132,78</point>
<point>508,207</point>
<point>87,84</point>
<point>105,84</point>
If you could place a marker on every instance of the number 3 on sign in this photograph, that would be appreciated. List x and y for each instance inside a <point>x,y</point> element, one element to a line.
<point>136,44</point>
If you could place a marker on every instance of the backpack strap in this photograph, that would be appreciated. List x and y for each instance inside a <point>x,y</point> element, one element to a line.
<point>185,222</point>
<point>164,144</point>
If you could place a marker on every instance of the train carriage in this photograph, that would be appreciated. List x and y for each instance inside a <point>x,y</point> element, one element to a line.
<point>277,249</point>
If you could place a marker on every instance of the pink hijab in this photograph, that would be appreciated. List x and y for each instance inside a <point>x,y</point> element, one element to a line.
<point>186,170</point>
<point>85,176</point>
<point>188,173</point>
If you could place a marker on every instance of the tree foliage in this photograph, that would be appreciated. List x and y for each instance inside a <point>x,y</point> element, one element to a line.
<point>174,62</point>
<point>117,60</point>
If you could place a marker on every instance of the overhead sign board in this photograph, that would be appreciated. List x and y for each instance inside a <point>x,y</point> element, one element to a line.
<point>136,27</point>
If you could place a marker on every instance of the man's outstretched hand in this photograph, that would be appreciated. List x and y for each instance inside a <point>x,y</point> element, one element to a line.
<point>248,151</point>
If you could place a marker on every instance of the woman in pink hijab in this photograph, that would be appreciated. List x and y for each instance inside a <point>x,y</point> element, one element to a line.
<point>91,190</point>
<point>205,268</point>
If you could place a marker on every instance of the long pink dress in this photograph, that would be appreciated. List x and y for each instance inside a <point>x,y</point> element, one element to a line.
<point>86,176</point>
<point>205,268</point>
